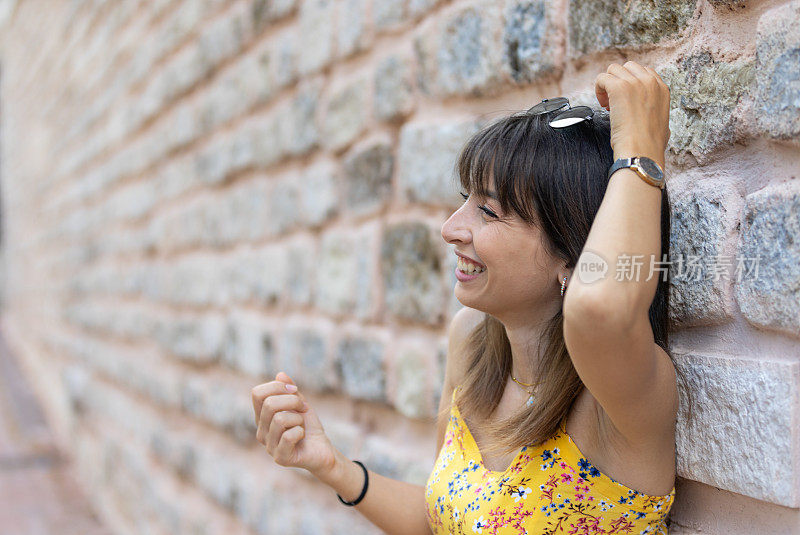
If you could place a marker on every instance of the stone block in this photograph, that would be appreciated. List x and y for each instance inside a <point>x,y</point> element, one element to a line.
<point>777,94</point>
<point>598,26</point>
<point>368,171</point>
<point>701,223</point>
<point>394,88</point>
<point>427,157</point>
<point>741,434</point>
<point>461,53</point>
<point>360,367</point>
<point>769,290</point>
<point>302,257</point>
<point>352,32</point>
<point>705,100</point>
<point>411,270</point>
<point>315,20</point>
<point>531,40</point>
<point>319,193</point>
<point>346,114</point>
<point>412,375</point>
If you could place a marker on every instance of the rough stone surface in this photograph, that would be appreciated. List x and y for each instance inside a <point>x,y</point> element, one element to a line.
<point>597,26</point>
<point>769,296</point>
<point>411,264</point>
<point>360,366</point>
<point>347,114</point>
<point>696,239</point>
<point>427,160</point>
<point>315,18</point>
<point>777,97</point>
<point>706,110</point>
<point>412,377</point>
<point>461,54</point>
<point>351,31</point>
<point>747,451</point>
<point>394,97</point>
<point>529,40</point>
<point>368,174</point>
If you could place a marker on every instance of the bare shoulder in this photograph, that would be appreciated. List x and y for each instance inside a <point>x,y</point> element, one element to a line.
<point>463,323</point>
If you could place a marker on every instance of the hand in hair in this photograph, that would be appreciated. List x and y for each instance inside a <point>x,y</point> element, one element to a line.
<point>638,101</point>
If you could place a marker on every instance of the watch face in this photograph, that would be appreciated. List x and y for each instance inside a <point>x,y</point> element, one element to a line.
<point>651,168</point>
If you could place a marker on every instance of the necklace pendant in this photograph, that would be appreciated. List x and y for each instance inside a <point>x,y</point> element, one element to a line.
<point>530,401</point>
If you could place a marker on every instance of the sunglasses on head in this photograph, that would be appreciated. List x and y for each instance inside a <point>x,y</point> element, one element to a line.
<point>568,117</point>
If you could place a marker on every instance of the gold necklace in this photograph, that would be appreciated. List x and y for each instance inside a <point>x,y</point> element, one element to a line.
<point>530,392</point>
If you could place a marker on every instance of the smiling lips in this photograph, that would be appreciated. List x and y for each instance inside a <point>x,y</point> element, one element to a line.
<point>468,267</point>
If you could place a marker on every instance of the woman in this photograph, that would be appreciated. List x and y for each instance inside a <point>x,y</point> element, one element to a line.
<point>559,405</point>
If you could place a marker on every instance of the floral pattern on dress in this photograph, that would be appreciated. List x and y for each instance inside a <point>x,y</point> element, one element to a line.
<point>549,489</point>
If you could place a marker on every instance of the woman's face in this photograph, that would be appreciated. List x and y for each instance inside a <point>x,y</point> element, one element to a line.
<point>519,274</point>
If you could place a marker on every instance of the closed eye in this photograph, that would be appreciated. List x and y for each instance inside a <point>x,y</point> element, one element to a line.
<point>488,212</point>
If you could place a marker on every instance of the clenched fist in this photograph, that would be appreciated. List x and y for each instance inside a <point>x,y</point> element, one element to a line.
<point>290,428</point>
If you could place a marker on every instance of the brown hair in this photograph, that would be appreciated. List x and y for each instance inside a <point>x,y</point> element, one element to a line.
<point>538,176</point>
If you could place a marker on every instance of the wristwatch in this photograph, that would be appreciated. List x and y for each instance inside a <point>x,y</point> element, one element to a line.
<point>649,170</point>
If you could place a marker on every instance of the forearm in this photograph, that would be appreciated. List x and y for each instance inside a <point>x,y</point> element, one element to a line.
<point>396,507</point>
<point>626,229</point>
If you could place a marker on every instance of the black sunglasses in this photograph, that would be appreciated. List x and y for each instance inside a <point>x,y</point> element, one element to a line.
<point>568,117</point>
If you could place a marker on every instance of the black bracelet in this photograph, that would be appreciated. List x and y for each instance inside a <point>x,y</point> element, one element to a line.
<point>363,491</point>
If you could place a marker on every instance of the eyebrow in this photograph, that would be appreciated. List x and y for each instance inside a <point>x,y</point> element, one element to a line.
<point>493,195</point>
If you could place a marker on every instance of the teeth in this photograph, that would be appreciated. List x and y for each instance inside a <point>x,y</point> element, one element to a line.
<point>469,267</point>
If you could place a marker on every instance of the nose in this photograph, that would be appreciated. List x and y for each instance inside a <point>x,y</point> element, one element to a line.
<point>456,228</point>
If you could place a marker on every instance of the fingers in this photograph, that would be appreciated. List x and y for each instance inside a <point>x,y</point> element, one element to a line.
<point>261,392</point>
<point>288,443</point>
<point>273,404</point>
<point>281,422</point>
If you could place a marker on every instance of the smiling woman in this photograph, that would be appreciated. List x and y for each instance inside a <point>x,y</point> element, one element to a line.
<point>531,194</point>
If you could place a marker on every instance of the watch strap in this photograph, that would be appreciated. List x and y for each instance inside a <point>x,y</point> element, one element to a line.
<point>633,163</point>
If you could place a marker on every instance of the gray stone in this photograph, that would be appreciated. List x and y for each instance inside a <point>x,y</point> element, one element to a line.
<point>284,205</point>
<point>315,22</point>
<point>298,123</point>
<point>360,366</point>
<point>740,434</point>
<point>412,378</point>
<point>351,31</point>
<point>697,236</point>
<point>388,14</point>
<point>285,52</point>
<point>394,96</point>
<point>265,136</point>
<point>304,351</point>
<point>418,8</point>
<point>319,195</point>
<point>265,11</point>
<point>410,265</point>
<point>337,274</point>
<point>705,104</point>
<point>302,257</point>
<point>777,97</point>
<point>769,291</point>
<point>427,158</point>
<point>346,114</point>
<point>528,51</point>
<point>368,178</point>
<point>196,340</point>
<point>597,26</point>
<point>244,348</point>
<point>731,5</point>
<point>461,54</point>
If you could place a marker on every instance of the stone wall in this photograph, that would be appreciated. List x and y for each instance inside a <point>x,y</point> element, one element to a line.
<point>198,194</point>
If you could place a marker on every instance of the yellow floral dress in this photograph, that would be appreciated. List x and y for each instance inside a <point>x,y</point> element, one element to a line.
<point>551,488</point>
